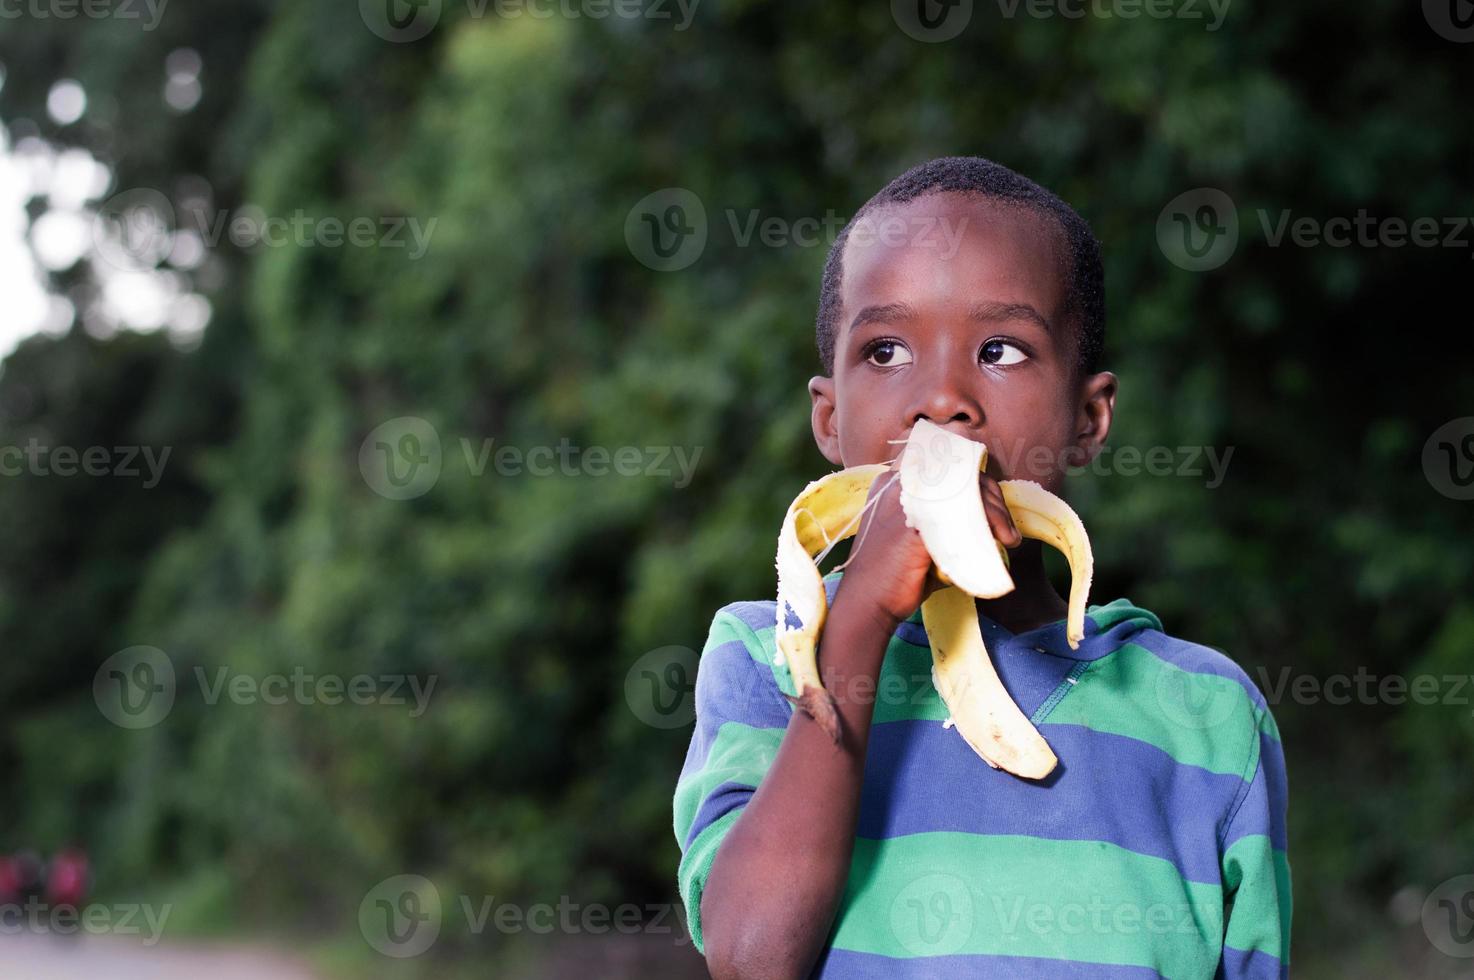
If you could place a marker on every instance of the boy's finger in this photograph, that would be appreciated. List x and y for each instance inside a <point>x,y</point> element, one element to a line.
<point>1000,521</point>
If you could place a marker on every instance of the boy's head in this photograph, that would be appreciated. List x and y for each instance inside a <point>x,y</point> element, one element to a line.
<point>968,295</point>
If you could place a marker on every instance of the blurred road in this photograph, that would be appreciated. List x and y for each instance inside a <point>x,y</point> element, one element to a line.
<point>30,957</point>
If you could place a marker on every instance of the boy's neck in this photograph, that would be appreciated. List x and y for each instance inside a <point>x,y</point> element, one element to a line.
<point>1033,601</point>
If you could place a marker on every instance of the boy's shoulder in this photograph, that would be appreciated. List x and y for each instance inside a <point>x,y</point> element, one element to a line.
<point>748,616</point>
<point>1190,664</point>
<point>1191,700</point>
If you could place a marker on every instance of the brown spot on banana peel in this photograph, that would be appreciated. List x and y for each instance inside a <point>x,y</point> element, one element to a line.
<point>819,705</point>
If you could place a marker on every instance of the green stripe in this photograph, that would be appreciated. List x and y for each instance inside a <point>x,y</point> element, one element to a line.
<point>1262,904</point>
<point>1197,719</point>
<point>1267,724</point>
<point>739,754</point>
<point>1088,901</point>
<point>695,866</point>
<point>903,688</point>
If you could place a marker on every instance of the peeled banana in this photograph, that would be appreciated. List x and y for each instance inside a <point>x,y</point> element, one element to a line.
<point>940,495</point>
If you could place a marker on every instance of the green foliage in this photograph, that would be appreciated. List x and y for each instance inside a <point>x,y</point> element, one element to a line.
<point>528,321</point>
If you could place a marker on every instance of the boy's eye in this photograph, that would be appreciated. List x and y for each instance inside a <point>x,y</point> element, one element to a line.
<point>1001,352</point>
<point>888,353</point>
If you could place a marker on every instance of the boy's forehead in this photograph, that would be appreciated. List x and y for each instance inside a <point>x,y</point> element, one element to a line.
<point>946,252</point>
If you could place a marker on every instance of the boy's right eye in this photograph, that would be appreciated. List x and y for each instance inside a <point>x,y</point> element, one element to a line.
<point>887,353</point>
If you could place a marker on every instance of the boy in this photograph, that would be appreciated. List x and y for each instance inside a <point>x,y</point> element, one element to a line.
<point>965,294</point>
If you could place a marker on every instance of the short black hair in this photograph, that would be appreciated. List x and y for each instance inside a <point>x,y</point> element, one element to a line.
<point>1084,292</point>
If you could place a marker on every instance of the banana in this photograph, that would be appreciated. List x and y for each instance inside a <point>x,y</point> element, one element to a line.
<point>825,513</point>
<point>941,498</point>
<point>963,674</point>
<point>1040,515</point>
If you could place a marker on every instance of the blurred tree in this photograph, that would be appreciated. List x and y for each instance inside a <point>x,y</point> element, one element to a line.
<point>528,321</point>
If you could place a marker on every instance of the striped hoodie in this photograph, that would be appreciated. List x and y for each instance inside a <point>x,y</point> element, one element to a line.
<point>1155,849</point>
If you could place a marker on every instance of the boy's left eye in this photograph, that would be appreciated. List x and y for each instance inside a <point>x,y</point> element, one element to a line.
<point>1001,352</point>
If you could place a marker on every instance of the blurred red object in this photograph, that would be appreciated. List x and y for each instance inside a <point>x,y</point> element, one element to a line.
<point>66,879</point>
<point>10,880</point>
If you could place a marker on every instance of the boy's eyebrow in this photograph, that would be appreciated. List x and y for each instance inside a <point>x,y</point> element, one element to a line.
<point>887,313</point>
<point>998,312</point>
<point>990,312</point>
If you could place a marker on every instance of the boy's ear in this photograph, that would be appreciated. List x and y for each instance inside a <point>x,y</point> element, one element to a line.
<point>826,429</point>
<point>1093,423</point>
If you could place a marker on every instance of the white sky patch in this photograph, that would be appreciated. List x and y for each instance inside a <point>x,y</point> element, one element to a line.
<point>73,184</point>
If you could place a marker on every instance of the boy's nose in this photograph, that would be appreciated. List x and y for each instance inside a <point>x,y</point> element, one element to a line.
<point>945,400</point>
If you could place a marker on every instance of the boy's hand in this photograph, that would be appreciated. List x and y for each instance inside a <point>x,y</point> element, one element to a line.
<point>889,568</point>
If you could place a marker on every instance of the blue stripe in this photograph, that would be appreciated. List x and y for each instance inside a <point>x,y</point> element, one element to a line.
<point>718,803</point>
<point>1264,806</point>
<point>731,686</point>
<point>920,777</point>
<point>843,964</point>
<point>1238,964</point>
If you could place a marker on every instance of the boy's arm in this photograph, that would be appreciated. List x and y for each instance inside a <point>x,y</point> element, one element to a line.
<point>1256,869</point>
<point>778,876</point>
<point>763,871</point>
